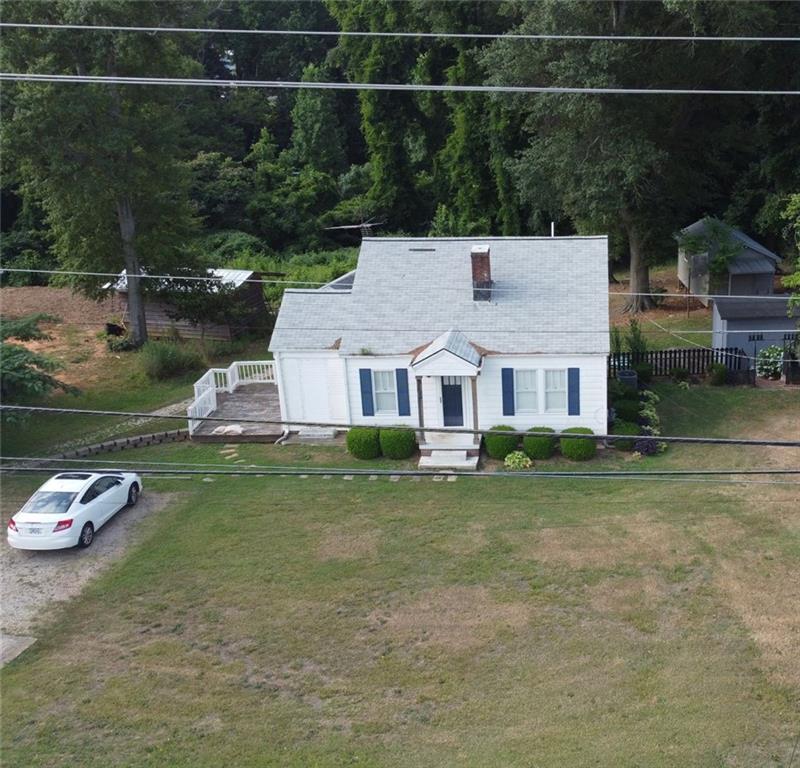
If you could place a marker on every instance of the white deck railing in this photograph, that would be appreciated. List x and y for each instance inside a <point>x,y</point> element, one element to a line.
<point>225,380</point>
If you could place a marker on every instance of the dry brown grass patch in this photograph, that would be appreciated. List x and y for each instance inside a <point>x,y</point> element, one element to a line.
<point>467,541</point>
<point>458,618</point>
<point>765,594</point>
<point>635,540</point>
<point>339,543</point>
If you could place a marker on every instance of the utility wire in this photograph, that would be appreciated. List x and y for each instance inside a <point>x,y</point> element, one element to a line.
<point>447,430</point>
<point>411,473</point>
<point>327,470</point>
<point>313,285</point>
<point>404,87</point>
<point>406,34</point>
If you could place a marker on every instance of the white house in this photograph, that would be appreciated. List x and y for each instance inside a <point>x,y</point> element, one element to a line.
<point>451,332</point>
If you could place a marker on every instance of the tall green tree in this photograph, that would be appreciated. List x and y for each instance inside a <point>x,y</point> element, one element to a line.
<point>103,160</point>
<point>639,163</point>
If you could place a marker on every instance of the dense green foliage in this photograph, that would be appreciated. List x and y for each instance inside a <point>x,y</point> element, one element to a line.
<point>161,360</point>
<point>25,374</point>
<point>717,374</point>
<point>539,446</point>
<point>364,442</point>
<point>499,446</point>
<point>98,177</point>
<point>397,442</point>
<point>625,428</point>
<point>627,410</point>
<point>578,448</point>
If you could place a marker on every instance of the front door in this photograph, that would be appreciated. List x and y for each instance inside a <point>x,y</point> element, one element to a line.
<point>452,403</point>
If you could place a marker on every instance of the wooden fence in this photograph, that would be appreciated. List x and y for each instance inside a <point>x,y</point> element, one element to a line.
<point>695,360</point>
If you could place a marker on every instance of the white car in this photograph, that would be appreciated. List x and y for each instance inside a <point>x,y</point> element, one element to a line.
<point>70,507</point>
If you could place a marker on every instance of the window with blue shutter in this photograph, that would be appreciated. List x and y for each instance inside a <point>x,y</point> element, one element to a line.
<point>508,391</point>
<point>403,403</point>
<point>574,391</point>
<point>367,401</point>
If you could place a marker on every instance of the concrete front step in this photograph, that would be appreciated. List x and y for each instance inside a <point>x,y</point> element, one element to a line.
<point>316,433</point>
<point>448,459</point>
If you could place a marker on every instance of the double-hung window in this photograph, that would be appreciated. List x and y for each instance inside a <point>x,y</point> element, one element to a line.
<point>555,391</point>
<point>526,391</point>
<point>385,388</point>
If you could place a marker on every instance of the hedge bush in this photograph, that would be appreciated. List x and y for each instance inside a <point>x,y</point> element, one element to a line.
<point>499,446</point>
<point>718,374</point>
<point>627,410</point>
<point>578,449</point>
<point>644,371</point>
<point>539,447</point>
<point>398,442</point>
<point>364,442</point>
<point>619,391</point>
<point>679,374</point>
<point>165,359</point>
<point>625,428</point>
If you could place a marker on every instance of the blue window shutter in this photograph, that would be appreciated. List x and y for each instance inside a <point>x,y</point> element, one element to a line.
<point>367,402</point>
<point>403,404</point>
<point>508,391</point>
<point>574,391</point>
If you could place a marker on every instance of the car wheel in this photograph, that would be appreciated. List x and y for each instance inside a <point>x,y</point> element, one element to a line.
<point>87,536</point>
<point>133,495</point>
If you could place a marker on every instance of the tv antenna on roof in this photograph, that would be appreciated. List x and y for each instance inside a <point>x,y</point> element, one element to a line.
<point>364,226</point>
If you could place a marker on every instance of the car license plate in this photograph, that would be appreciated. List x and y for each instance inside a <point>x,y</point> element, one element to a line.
<point>34,531</point>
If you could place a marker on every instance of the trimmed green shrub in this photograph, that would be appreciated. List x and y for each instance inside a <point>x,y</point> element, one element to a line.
<point>576,448</point>
<point>625,428</point>
<point>627,410</point>
<point>165,359</point>
<point>517,460</point>
<point>499,446</point>
<point>644,371</point>
<point>364,442</point>
<point>397,442</point>
<point>717,374</point>
<point>619,391</point>
<point>539,447</point>
<point>679,374</point>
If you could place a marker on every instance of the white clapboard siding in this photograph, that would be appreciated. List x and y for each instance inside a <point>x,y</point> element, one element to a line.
<point>592,391</point>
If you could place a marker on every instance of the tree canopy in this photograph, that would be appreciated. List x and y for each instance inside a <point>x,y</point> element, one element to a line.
<point>99,177</point>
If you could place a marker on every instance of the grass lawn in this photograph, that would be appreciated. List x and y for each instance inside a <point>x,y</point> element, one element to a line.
<point>481,622</point>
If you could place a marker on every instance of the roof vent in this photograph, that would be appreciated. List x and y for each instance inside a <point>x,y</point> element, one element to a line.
<point>481,273</point>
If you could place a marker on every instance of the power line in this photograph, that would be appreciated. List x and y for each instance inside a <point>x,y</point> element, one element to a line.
<point>450,430</point>
<point>406,34</point>
<point>327,470</point>
<point>403,87</point>
<point>418,473</point>
<point>312,285</point>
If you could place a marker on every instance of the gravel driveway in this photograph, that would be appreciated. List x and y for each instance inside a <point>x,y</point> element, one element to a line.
<point>30,582</point>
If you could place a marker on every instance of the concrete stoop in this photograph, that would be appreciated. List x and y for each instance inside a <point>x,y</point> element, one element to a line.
<point>448,459</point>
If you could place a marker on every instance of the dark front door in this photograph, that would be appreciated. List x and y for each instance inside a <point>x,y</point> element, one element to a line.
<point>452,404</point>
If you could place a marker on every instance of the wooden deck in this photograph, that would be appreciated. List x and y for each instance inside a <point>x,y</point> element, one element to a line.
<point>249,401</point>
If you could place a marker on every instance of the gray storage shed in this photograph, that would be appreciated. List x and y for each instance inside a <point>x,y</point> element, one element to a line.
<point>752,324</point>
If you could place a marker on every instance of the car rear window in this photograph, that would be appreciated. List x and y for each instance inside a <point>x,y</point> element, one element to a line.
<point>49,503</point>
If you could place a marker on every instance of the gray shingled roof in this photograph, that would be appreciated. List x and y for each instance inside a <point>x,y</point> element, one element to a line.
<point>454,342</point>
<point>550,296</point>
<point>746,262</point>
<point>733,308</point>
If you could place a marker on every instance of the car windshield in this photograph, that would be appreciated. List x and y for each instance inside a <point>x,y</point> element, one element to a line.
<point>49,503</point>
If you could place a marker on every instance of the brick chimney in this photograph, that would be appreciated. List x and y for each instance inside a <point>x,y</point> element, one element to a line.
<point>481,273</point>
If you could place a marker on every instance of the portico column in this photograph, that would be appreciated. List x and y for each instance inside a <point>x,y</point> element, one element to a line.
<point>474,380</point>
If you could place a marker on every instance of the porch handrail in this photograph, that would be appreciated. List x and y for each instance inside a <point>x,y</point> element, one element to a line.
<point>226,380</point>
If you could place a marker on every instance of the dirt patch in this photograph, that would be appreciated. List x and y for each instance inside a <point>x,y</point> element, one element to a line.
<point>31,582</point>
<point>665,280</point>
<point>636,540</point>
<point>343,544</point>
<point>765,594</point>
<point>458,618</point>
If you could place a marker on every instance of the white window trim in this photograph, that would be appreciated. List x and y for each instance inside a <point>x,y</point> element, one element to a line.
<point>537,390</point>
<point>565,409</point>
<point>393,390</point>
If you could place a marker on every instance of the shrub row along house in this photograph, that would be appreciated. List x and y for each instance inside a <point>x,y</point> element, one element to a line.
<point>452,333</point>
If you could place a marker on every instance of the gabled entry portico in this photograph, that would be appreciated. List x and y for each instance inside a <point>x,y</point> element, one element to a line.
<point>446,372</point>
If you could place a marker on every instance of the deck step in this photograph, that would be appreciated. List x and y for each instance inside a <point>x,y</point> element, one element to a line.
<point>316,433</point>
<point>448,459</point>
